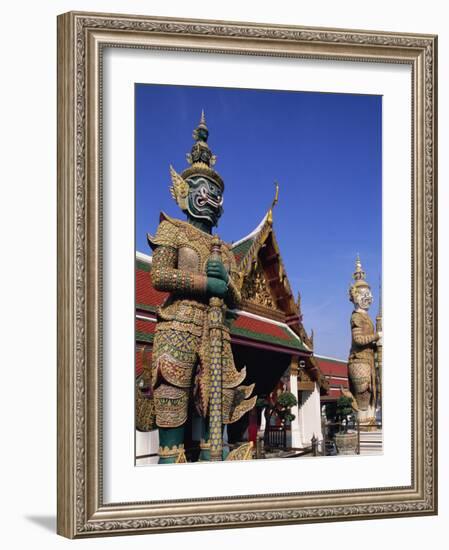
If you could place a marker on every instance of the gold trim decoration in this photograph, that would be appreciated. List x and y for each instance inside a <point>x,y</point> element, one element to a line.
<point>294,365</point>
<point>177,452</point>
<point>181,458</point>
<point>255,288</point>
<point>179,189</point>
<point>82,38</point>
<point>145,412</point>
<point>243,452</point>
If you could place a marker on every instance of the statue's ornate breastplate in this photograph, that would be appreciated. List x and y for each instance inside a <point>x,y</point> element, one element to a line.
<point>362,348</point>
<point>187,251</point>
<point>194,249</point>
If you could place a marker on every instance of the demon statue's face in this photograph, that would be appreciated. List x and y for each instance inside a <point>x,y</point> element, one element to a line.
<point>205,199</point>
<point>362,297</point>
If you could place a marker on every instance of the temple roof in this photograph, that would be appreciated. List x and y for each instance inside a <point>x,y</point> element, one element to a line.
<point>261,246</point>
<point>335,371</point>
<point>246,327</point>
<point>247,246</point>
<point>147,297</point>
<point>269,318</point>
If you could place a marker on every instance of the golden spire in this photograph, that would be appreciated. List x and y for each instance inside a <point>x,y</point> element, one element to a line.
<point>359,277</point>
<point>201,132</point>
<point>359,274</point>
<point>273,204</point>
<point>201,158</point>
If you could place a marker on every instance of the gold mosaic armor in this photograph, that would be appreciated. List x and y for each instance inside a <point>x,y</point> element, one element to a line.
<point>361,360</point>
<point>181,349</point>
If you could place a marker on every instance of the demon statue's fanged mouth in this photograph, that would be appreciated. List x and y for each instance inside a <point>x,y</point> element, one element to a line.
<point>365,298</point>
<point>205,200</point>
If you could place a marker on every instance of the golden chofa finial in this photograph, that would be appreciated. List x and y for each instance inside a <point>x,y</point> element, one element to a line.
<point>273,204</point>
<point>359,274</point>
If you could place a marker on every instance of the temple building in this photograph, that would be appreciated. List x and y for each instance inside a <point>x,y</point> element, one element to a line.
<point>336,373</point>
<point>267,337</point>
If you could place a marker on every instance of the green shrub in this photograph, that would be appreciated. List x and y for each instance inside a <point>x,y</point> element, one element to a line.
<point>287,400</point>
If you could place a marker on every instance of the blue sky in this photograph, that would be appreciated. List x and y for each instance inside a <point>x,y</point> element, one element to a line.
<point>325,152</point>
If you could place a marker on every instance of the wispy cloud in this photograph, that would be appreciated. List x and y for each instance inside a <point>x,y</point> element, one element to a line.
<point>320,307</point>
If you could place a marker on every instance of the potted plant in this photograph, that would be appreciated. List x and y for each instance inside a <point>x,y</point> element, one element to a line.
<point>345,439</point>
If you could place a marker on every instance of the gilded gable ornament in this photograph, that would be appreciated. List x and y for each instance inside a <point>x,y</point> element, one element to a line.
<point>256,290</point>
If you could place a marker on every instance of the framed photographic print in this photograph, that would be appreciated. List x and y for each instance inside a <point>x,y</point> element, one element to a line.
<point>246,276</point>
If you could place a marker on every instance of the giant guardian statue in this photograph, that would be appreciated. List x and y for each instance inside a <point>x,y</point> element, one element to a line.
<point>192,363</point>
<point>365,341</point>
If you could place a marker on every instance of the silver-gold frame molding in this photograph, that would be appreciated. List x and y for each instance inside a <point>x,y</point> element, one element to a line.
<point>81,39</point>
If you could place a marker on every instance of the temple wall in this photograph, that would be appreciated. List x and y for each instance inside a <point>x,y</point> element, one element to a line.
<point>147,443</point>
<point>295,425</point>
<point>308,422</point>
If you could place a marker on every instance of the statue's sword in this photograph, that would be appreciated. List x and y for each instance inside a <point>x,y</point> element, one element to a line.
<point>379,357</point>
<point>216,321</point>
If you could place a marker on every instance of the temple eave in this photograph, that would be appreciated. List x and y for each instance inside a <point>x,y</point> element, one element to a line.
<point>240,340</point>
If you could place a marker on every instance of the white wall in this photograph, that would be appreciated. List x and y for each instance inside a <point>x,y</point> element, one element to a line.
<point>309,416</point>
<point>28,269</point>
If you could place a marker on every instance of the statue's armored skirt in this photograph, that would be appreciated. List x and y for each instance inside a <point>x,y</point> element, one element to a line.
<point>181,351</point>
<point>361,361</point>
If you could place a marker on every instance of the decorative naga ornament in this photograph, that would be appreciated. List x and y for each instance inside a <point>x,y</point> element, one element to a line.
<point>361,366</point>
<point>145,414</point>
<point>192,361</point>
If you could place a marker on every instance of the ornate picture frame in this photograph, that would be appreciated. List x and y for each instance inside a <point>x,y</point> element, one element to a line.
<point>82,39</point>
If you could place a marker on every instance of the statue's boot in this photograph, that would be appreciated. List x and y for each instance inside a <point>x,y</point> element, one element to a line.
<point>204,451</point>
<point>171,445</point>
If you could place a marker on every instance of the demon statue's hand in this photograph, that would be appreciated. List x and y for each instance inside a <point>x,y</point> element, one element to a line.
<point>216,287</point>
<point>216,269</point>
